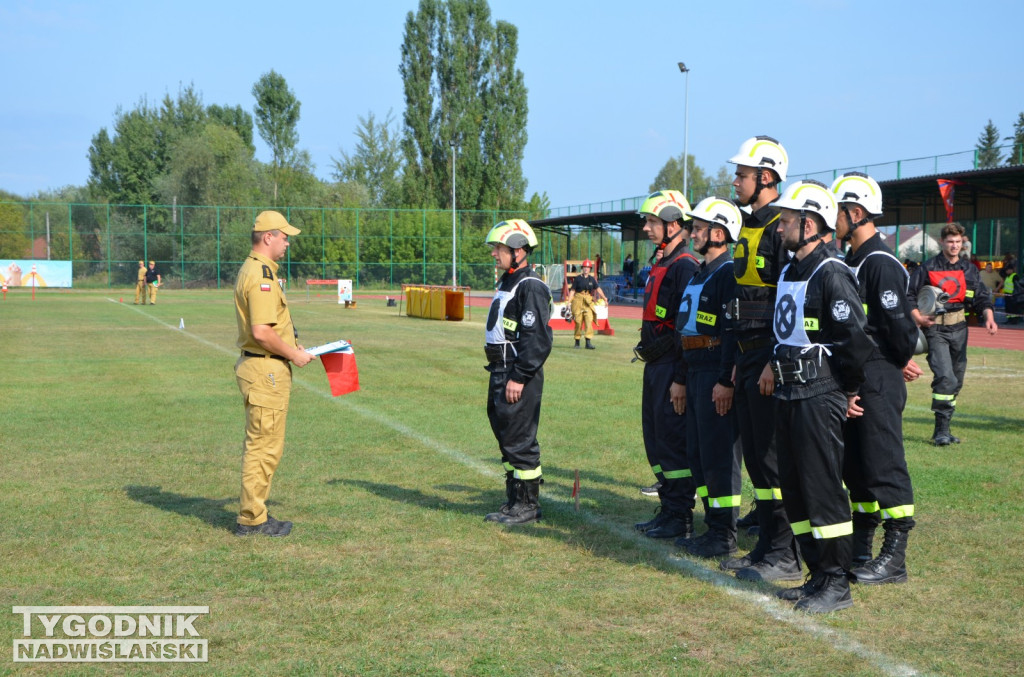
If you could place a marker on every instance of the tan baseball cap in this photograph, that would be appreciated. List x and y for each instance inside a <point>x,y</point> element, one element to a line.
<point>270,220</point>
<point>142,263</point>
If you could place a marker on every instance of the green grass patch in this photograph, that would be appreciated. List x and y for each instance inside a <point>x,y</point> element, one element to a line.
<point>121,440</point>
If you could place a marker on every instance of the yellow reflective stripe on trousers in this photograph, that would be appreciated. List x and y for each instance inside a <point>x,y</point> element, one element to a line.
<point>944,398</point>
<point>677,474</point>
<point>800,527</point>
<point>702,491</point>
<point>865,507</point>
<point>527,474</point>
<point>832,530</point>
<point>656,469</point>
<point>508,466</point>
<point>774,494</point>
<point>897,512</point>
<point>724,502</point>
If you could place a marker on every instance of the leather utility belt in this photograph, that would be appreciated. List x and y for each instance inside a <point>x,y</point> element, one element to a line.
<point>661,345</point>
<point>799,371</point>
<point>700,341</point>
<point>750,310</point>
<point>753,344</point>
<point>246,353</point>
<point>949,318</point>
<point>495,352</point>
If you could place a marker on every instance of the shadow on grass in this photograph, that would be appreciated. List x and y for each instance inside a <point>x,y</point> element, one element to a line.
<point>562,523</point>
<point>209,510</point>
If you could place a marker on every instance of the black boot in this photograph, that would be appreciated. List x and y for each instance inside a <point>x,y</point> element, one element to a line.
<point>510,499</point>
<point>577,346</point>
<point>786,567</point>
<point>812,583</point>
<point>659,517</point>
<point>763,515</point>
<point>890,565</point>
<point>942,437</point>
<point>590,346</point>
<point>864,526</point>
<point>832,595</point>
<point>748,520</point>
<point>674,525</point>
<point>527,506</point>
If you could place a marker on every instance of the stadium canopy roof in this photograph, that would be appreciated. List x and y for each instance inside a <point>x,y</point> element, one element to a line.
<point>992,193</point>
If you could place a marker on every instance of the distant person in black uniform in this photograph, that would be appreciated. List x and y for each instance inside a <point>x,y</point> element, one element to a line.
<point>629,270</point>
<point>663,405</point>
<point>582,299</point>
<point>709,351</point>
<point>947,332</point>
<point>818,368</point>
<point>875,467</point>
<point>758,258</point>
<point>518,341</point>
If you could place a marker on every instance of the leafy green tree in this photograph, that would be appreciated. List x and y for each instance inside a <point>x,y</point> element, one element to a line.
<point>462,87</point>
<point>277,116</point>
<point>701,185</point>
<point>238,119</point>
<point>504,128</point>
<point>376,161</point>
<point>987,148</point>
<point>1017,155</point>
<point>123,166</point>
<point>14,241</point>
<point>417,71</point>
<point>211,167</point>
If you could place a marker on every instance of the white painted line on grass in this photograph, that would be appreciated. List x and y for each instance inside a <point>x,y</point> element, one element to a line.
<point>769,605</point>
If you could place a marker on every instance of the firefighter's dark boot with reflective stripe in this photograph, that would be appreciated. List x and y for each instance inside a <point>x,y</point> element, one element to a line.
<point>832,595</point>
<point>891,564</point>
<point>942,437</point>
<point>510,499</point>
<point>527,506</point>
<point>674,525</point>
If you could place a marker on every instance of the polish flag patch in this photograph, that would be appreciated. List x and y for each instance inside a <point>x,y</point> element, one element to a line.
<point>264,287</point>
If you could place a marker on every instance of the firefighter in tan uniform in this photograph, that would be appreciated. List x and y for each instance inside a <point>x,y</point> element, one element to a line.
<point>582,299</point>
<point>140,284</point>
<point>267,341</point>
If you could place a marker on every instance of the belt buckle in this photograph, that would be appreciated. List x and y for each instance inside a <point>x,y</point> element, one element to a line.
<point>777,372</point>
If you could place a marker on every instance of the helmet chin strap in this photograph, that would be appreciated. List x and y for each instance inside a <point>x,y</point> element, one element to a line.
<point>849,220</point>
<point>665,240</point>
<point>516,263</point>
<point>806,240</point>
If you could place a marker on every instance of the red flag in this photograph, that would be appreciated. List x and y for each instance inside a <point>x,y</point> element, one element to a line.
<point>342,374</point>
<point>576,486</point>
<point>946,189</point>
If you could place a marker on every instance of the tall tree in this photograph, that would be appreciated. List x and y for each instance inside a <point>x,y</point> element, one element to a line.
<point>238,119</point>
<point>277,116</point>
<point>699,184</point>
<point>504,128</point>
<point>462,87</point>
<point>988,152</point>
<point>1017,154</point>
<point>376,161</point>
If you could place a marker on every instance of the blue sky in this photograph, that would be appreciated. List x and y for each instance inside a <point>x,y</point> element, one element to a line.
<point>838,82</point>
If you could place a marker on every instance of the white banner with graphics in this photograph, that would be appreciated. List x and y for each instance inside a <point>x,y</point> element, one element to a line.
<point>28,273</point>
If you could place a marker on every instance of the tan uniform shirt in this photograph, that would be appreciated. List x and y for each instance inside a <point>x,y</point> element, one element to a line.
<point>259,299</point>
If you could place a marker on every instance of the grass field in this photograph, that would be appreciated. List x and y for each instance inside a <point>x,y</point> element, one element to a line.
<point>121,438</point>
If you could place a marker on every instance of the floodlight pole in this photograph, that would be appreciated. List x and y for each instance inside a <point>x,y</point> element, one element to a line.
<point>455,282</point>
<point>686,122</point>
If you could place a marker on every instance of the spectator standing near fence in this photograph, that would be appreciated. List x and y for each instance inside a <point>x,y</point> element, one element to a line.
<point>140,285</point>
<point>153,280</point>
<point>582,299</point>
